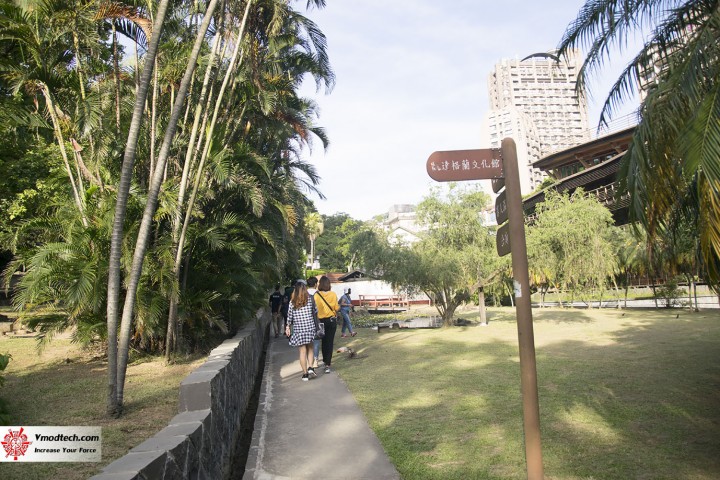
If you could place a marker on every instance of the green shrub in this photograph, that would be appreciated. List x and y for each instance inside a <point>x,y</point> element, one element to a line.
<point>670,293</point>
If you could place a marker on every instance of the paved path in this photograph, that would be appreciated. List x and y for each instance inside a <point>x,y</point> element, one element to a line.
<point>311,430</point>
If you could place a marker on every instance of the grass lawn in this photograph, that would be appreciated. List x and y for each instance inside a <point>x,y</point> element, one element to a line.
<point>61,387</point>
<point>623,395</point>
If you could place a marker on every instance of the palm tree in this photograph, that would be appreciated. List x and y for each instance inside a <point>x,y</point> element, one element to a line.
<point>141,244</point>
<point>285,120</point>
<point>674,159</point>
<point>38,66</point>
<point>313,228</point>
<point>63,263</point>
<point>113,291</point>
<point>248,195</point>
<point>672,167</point>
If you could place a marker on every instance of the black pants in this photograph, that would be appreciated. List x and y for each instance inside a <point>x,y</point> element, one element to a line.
<point>329,339</point>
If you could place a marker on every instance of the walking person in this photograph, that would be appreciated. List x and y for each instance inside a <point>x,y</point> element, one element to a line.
<point>327,305</point>
<point>275,303</point>
<point>285,305</point>
<point>301,327</point>
<point>345,308</point>
<point>312,284</point>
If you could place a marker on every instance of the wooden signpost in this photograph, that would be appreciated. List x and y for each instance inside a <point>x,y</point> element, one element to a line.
<point>501,166</point>
<point>501,211</point>
<point>502,240</point>
<point>458,165</point>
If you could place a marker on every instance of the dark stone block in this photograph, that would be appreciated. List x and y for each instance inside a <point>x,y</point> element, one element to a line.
<point>134,463</point>
<point>179,455</point>
<point>116,476</point>
<point>191,416</point>
<point>192,461</point>
<point>159,443</point>
<point>195,391</point>
<point>172,471</point>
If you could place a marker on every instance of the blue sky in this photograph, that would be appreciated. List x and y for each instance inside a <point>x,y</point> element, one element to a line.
<point>412,79</point>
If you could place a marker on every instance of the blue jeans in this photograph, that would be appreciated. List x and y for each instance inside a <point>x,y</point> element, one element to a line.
<point>316,348</point>
<point>346,321</point>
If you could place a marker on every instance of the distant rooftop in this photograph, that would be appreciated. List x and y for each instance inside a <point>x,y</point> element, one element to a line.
<point>401,208</point>
<point>618,124</point>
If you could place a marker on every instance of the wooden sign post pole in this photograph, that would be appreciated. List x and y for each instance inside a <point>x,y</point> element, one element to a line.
<point>460,165</point>
<point>526,339</point>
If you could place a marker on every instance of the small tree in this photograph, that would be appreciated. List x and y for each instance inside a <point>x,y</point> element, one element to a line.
<point>334,245</point>
<point>454,256</point>
<point>570,244</point>
<point>670,293</point>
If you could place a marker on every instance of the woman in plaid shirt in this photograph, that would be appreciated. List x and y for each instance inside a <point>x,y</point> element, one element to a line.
<point>301,327</point>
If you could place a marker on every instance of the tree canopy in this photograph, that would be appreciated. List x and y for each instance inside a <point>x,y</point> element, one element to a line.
<point>454,255</point>
<point>163,187</point>
<point>672,168</point>
<point>570,244</point>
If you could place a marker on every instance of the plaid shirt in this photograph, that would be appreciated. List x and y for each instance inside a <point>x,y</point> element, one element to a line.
<point>303,324</point>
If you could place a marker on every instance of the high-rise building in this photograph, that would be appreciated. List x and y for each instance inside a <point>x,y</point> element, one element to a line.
<point>534,101</point>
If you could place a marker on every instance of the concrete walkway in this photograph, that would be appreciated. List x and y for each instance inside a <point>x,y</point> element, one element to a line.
<point>310,430</point>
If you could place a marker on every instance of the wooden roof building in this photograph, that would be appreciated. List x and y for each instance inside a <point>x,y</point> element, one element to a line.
<point>593,166</point>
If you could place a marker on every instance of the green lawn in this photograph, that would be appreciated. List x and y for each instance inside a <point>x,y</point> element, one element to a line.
<point>62,386</point>
<point>623,395</point>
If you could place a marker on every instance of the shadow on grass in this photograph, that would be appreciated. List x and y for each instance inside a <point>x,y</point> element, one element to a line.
<point>554,315</point>
<point>74,394</point>
<point>645,405</point>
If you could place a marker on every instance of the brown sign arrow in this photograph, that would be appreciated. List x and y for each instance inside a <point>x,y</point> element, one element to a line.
<point>501,211</point>
<point>497,184</point>
<point>502,240</point>
<point>458,165</point>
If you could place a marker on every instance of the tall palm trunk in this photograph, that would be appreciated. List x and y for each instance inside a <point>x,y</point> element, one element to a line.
<point>114,403</point>
<point>206,114</point>
<point>172,315</point>
<point>174,298</point>
<point>145,225</point>
<point>116,75</point>
<point>63,153</point>
<point>153,118</point>
<point>76,44</point>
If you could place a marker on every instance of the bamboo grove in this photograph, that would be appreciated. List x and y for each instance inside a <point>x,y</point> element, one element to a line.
<point>154,183</point>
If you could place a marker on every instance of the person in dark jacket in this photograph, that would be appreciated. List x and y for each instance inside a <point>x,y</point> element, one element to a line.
<point>285,304</point>
<point>275,302</point>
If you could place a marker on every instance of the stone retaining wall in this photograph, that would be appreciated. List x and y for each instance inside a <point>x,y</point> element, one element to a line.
<point>200,441</point>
